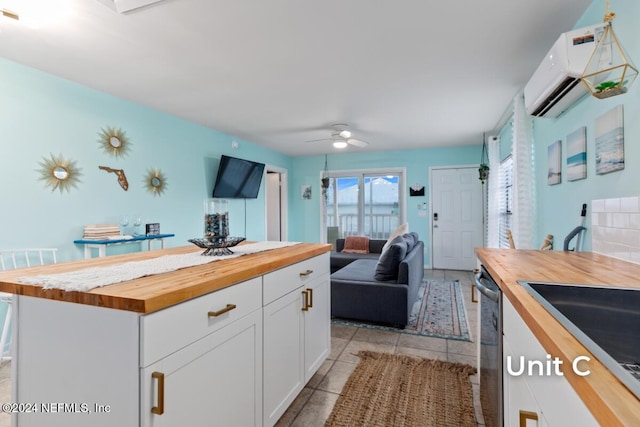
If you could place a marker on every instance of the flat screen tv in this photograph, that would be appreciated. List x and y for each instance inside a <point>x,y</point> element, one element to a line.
<point>238,179</point>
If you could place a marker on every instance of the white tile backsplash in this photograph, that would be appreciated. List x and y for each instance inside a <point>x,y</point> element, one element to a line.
<point>616,228</point>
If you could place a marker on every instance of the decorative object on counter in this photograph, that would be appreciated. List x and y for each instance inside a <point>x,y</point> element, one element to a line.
<point>155,182</point>
<point>610,71</point>
<point>554,163</point>
<point>483,170</point>
<point>122,178</point>
<point>152,229</point>
<point>547,245</point>
<point>217,247</point>
<point>114,141</point>
<point>59,173</point>
<point>216,219</point>
<point>577,154</point>
<point>609,133</point>
<point>100,231</point>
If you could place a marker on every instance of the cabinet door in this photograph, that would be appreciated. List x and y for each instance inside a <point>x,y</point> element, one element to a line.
<point>215,381</point>
<point>283,354</point>
<point>317,326</point>
<point>558,402</point>
<point>520,407</point>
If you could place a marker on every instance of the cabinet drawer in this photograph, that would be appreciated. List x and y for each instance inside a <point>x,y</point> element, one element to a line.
<point>173,328</point>
<point>280,282</point>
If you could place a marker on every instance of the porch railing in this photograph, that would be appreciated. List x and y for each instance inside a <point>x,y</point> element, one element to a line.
<point>376,226</point>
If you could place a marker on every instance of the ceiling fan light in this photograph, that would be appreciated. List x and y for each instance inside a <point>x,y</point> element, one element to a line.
<point>339,144</point>
<point>346,134</point>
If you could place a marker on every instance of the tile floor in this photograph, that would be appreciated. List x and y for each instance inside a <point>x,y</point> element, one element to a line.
<point>315,402</point>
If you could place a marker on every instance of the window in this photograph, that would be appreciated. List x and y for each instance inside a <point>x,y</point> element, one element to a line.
<point>363,203</point>
<point>506,199</point>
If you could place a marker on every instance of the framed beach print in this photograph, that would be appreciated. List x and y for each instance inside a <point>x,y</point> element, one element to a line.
<point>577,154</point>
<point>554,163</point>
<point>609,135</point>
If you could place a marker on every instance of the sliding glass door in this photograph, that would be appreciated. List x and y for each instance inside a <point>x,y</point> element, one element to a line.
<point>364,204</point>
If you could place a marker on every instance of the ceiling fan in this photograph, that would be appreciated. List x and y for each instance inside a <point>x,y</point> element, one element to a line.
<point>341,137</point>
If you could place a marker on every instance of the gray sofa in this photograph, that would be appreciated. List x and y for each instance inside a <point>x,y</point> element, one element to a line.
<point>357,294</point>
<point>341,259</point>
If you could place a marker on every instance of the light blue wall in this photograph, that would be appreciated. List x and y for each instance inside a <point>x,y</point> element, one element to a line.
<point>304,220</point>
<point>559,205</point>
<point>42,114</point>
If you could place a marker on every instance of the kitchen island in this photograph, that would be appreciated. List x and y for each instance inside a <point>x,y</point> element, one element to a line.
<point>607,399</point>
<point>231,342</point>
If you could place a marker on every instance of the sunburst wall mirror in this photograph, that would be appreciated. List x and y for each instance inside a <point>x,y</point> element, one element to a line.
<point>59,173</point>
<point>155,182</point>
<point>114,141</point>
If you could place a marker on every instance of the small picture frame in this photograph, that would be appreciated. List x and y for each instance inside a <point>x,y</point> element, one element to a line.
<point>306,192</point>
<point>577,154</point>
<point>152,229</point>
<point>609,135</point>
<point>554,163</point>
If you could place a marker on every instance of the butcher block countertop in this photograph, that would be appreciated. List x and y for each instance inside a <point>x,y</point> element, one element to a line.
<point>607,398</point>
<point>152,293</point>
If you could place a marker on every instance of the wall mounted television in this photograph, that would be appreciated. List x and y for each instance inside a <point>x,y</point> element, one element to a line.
<point>238,178</point>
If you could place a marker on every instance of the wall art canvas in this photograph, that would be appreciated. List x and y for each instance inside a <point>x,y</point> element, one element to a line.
<point>609,135</point>
<point>554,163</point>
<point>577,154</point>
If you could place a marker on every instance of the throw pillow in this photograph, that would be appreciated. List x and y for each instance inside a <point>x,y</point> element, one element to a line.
<point>389,262</point>
<point>410,238</point>
<point>402,229</point>
<point>356,245</point>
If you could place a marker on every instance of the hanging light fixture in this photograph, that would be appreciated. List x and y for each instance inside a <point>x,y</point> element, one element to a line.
<point>610,71</point>
<point>340,143</point>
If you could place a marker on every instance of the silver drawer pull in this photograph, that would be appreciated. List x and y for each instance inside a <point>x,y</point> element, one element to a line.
<point>222,311</point>
<point>306,273</point>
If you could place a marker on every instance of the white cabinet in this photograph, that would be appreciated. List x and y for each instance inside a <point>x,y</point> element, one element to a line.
<point>547,397</point>
<point>216,381</point>
<point>215,378</point>
<point>297,336</point>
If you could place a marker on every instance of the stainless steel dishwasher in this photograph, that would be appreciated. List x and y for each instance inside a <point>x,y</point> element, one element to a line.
<point>490,349</point>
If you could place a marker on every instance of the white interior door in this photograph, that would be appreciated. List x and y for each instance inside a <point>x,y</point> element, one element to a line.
<point>456,217</point>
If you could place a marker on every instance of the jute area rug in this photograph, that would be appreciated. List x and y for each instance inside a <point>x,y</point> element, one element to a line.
<point>437,312</point>
<point>390,390</point>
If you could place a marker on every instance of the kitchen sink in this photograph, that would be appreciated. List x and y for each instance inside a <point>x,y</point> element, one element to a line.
<point>606,320</point>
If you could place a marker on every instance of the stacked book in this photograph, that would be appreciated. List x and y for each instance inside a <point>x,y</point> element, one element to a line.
<point>101,231</point>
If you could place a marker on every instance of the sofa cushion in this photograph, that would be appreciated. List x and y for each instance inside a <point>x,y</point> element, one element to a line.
<point>387,267</point>
<point>402,229</point>
<point>356,245</point>
<point>360,271</point>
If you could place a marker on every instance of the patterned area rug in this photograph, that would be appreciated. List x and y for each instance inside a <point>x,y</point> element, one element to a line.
<point>402,391</point>
<point>438,312</point>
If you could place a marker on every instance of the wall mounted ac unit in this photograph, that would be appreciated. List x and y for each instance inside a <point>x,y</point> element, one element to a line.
<point>556,84</point>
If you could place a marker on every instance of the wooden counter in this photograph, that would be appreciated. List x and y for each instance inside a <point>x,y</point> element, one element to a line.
<point>607,398</point>
<point>152,293</point>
